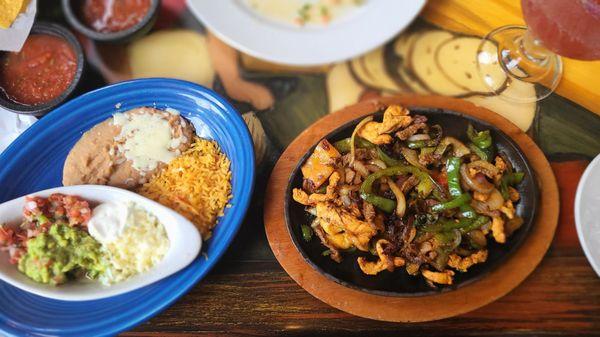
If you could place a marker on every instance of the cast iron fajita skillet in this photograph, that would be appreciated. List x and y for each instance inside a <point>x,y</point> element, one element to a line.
<point>399,283</point>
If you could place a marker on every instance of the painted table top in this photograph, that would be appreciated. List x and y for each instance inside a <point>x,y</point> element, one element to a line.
<point>249,293</point>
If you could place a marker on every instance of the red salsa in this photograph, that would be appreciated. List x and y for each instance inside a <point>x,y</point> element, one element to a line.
<point>40,72</point>
<point>109,16</point>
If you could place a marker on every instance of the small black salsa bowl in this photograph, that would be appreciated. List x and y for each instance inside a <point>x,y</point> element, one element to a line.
<point>400,283</point>
<point>41,109</point>
<point>72,10</point>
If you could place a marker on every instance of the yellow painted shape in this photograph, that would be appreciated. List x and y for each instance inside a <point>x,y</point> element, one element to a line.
<point>580,82</point>
<point>179,53</point>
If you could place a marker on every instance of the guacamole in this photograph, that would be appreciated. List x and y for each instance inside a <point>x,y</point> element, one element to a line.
<point>62,252</point>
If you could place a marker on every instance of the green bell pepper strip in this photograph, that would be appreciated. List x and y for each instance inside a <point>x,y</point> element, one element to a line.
<point>467,211</point>
<point>389,161</point>
<point>426,183</point>
<point>481,139</point>
<point>343,146</point>
<point>453,174</point>
<point>307,233</point>
<point>366,189</point>
<point>510,179</point>
<point>387,205</point>
<point>384,204</point>
<point>447,242</point>
<point>454,203</point>
<point>479,221</point>
<point>417,144</point>
<point>484,154</point>
<point>464,225</point>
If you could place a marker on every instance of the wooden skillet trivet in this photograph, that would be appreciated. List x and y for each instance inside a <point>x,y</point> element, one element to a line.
<point>494,285</point>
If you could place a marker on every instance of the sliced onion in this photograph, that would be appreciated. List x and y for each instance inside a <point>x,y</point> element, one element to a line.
<point>478,238</point>
<point>400,199</point>
<point>373,168</point>
<point>494,201</point>
<point>378,162</point>
<point>458,148</point>
<point>482,208</point>
<point>421,136</point>
<point>360,168</point>
<point>425,247</point>
<point>443,240</point>
<point>412,158</point>
<point>352,139</point>
<point>346,200</point>
<point>481,186</point>
<point>484,167</point>
<point>456,240</point>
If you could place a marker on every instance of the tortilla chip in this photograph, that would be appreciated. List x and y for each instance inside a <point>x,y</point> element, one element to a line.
<point>9,10</point>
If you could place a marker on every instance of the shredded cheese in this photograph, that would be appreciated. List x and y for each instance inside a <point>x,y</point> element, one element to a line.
<point>196,184</point>
<point>143,243</point>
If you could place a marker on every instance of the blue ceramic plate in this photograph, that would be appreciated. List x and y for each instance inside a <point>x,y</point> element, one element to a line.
<point>35,161</point>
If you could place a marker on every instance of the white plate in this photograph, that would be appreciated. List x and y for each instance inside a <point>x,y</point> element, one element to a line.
<point>369,26</point>
<point>185,244</point>
<point>587,213</point>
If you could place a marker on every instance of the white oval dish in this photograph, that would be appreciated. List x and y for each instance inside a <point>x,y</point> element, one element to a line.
<point>184,245</point>
<point>587,213</point>
<point>371,25</point>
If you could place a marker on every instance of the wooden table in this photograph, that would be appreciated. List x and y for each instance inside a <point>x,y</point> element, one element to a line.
<point>248,293</point>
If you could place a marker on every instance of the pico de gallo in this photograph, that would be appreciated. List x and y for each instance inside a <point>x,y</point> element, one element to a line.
<point>52,244</point>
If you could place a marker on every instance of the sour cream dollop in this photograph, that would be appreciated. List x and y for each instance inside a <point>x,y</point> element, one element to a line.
<point>108,222</point>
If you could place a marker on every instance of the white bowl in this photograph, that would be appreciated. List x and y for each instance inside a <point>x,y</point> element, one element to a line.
<point>185,244</point>
<point>587,213</point>
<point>371,25</point>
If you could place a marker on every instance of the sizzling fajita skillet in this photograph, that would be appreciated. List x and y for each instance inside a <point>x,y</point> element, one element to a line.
<point>398,282</point>
<point>413,302</point>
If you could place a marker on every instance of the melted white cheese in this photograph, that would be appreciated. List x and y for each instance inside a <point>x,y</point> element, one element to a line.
<point>147,139</point>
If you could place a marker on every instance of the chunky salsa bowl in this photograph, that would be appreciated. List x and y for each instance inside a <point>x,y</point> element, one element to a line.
<point>53,76</point>
<point>399,282</point>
